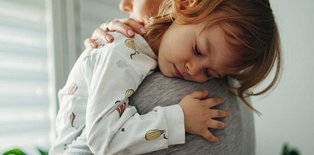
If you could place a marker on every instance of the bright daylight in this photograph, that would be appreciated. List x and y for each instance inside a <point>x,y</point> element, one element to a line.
<point>182,77</point>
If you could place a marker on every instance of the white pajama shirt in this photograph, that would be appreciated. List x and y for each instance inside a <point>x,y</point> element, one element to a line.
<point>95,100</point>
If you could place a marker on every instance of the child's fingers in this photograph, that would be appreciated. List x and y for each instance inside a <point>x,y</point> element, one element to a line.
<point>101,34</point>
<point>214,113</point>
<point>90,43</point>
<point>117,25</point>
<point>199,94</point>
<point>209,136</point>
<point>214,124</point>
<point>135,25</point>
<point>211,102</point>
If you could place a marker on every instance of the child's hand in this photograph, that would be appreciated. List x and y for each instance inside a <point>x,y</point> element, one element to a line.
<point>198,116</point>
<point>126,26</point>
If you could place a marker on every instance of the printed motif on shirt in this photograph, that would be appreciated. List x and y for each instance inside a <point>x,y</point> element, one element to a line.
<point>122,107</point>
<point>131,44</point>
<point>153,134</point>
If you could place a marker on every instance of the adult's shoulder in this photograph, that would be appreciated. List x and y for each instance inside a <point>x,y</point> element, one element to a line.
<point>164,91</point>
<point>238,138</point>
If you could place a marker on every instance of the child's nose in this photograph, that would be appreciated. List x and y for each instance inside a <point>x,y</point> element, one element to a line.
<point>192,69</point>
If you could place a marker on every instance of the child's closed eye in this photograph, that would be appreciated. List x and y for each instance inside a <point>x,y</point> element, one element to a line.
<point>196,51</point>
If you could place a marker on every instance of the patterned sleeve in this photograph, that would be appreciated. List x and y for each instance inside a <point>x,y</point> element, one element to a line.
<point>113,126</point>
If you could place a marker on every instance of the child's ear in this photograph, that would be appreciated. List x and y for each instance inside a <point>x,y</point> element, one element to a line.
<point>187,4</point>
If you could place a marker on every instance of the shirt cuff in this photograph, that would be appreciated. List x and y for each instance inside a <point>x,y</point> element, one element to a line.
<point>175,122</point>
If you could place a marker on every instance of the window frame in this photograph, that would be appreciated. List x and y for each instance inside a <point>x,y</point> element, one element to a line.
<point>63,34</point>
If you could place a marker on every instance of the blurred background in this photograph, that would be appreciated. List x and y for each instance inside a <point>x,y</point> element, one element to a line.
<point>41,39</point>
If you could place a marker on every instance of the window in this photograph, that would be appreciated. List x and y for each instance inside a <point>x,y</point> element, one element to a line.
<point>24,98</point>
<point>39,42</point>
<point>95,12</point>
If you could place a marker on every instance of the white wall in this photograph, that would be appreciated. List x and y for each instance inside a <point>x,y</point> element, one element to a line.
<point>288,111</point>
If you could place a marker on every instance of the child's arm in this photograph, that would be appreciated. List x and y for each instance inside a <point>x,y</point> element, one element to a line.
<point>114,127</point>
<point>111,125</point>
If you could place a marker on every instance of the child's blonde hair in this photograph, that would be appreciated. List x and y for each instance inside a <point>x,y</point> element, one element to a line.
<point>250,29</point>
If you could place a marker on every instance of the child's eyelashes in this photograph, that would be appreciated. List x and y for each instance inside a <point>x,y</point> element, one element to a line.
<point>197,51</point>
<point>207,71</point>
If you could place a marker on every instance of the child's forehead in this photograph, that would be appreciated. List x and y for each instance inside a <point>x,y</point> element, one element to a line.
<point>216,38</point>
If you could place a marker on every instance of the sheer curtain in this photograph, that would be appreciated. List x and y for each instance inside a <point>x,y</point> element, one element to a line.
<point>39,42</point>
<point>24,98</point>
